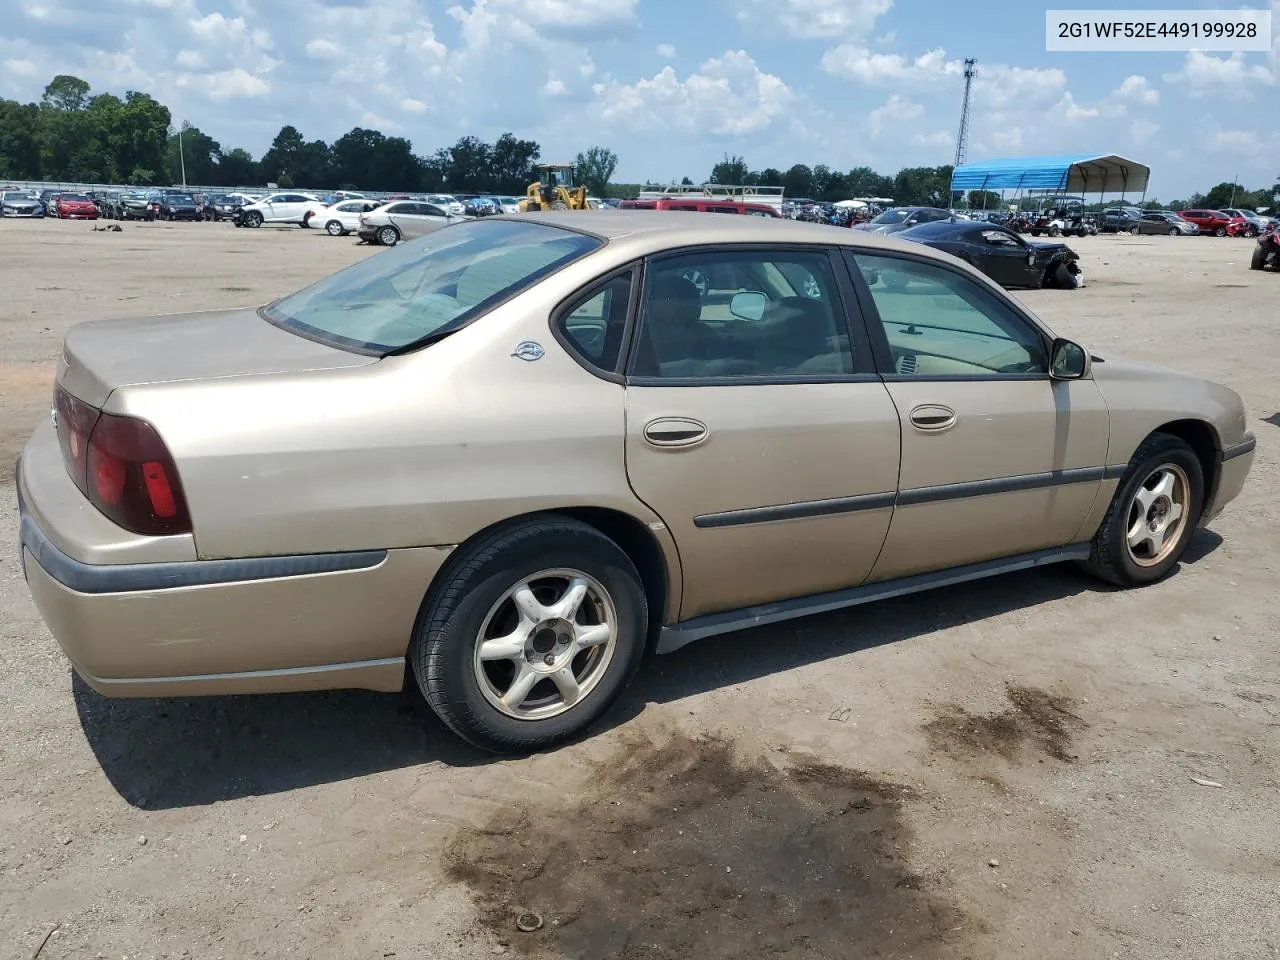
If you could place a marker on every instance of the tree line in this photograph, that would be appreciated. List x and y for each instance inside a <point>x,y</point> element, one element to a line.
<point>74,135</point>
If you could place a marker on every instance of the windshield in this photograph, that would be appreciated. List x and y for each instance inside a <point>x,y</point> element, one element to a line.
<point>429,287</point>
<point>892,216</point>
<point>75,198</point>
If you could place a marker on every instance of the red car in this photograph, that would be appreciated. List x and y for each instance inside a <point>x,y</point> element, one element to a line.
<point>1216,222</point>
<point>76,206</point>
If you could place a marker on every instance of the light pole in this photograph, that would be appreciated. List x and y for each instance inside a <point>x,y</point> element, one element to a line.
<point>182,160</point>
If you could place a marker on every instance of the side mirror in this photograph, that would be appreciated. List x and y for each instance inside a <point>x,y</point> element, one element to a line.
<point>1068,360</point>
<point>748,305</point>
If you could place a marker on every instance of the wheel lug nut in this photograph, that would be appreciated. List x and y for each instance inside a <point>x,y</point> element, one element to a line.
<point>549,660</point>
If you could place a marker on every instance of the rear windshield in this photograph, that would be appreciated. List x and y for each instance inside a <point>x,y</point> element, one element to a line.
<point>892,216</point>
<point>428,287</point>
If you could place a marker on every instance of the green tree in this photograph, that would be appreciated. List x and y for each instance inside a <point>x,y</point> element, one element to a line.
<point>19,141</point>
<point>199,153</point>
<point>798,182</point>
<point>731,170</point>
<point>467,166</point>
<point>983,200</point>
<point>596,166</point>
<point>237,168</point>
<point>1221,196</point>
<point>511,162</point>
<point>141,139</point>
<point>66,92</point>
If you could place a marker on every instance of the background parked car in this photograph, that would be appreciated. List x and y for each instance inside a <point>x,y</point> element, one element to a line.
<point>47,197</point>
<point>445,201</point>
<point>897,219</point>
<point>1255,223</point>
<point>403,220</point>
<point>179,206</point>
<point>136,205</point>
<point>341,218</point>
<point>1166,222</point>
<point>1214,221</point>
<point>18,203</point>
<point>76,206</point>
<point>1001,254</point>
<point>1121,220</point>
<point>223,206</point>
<point>276,208</point>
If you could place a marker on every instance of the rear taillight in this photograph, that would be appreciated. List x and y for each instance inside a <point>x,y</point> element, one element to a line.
<point>123,467</point>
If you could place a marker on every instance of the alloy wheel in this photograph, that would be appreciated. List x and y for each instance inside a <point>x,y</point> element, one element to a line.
<point>545,644</point>
<point>1157,515</point>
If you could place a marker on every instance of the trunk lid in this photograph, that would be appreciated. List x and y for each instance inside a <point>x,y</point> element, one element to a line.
<point>102,355</point>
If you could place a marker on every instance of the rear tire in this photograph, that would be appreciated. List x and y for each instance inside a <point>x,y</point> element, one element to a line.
<point>1220,232</point>
<point>1173,231</point>
<point>559,205</point>
<point>471,603</point>
<point>334,229</point>
<point>388,236</point>
<point>1113,555</point>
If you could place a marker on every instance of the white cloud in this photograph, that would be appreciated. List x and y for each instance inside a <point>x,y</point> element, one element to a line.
<point>1136,89</point>
<point>1241,141</point>
<point>939,138</point>
<point>1071,111</point>
<point>21,68</point>
<point>1230,76</point>
<point>554,88</point>
<point>815,19</point>
<point>555,19</point>
<point>190,60</point>
<point>665,50</point>
<point>322,48</point>
<point>409,105</point>
<point>234,84</point>
<point>728,96</point>
<point>895,111</point>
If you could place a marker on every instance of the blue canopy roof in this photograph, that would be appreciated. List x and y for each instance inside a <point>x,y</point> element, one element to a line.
<point>1076,173</point>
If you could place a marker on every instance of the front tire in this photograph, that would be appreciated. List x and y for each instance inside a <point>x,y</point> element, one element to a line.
<point>1220,232</point>
<point>531,635</point>
<point>1152,516</point>
<point>253,218</point>
<point>1259,258</point>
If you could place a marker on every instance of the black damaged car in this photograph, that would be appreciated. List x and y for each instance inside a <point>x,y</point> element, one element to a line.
<point>179,206</point>
<point>1001,254</point>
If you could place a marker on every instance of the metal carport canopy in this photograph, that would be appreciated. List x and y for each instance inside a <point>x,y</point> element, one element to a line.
<point>1078,173</point>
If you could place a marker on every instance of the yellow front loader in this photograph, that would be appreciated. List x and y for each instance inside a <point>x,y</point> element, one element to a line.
<point>554,189</point>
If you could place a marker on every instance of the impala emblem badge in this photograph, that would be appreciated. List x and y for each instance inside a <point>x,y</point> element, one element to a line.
<point>529,350</point>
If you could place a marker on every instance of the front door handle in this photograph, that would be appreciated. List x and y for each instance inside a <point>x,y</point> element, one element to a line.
<point>675,432</point>
<point>933,417</point>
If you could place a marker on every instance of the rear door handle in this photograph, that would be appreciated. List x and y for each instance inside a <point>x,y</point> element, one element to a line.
<point>932,417</point>
<point>675,432</point>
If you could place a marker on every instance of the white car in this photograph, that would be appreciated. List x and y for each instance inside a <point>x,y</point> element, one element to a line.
<point>338,219</point>
<point>509,204</point>
<point>449,204</point>
<point>277,208</point>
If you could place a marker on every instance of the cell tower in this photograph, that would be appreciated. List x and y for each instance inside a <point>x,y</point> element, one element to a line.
<point>962,139</point>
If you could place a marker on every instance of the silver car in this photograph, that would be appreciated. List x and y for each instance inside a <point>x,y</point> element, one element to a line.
<point>403,220</point>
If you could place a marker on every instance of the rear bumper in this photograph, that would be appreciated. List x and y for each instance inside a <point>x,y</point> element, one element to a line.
<point>193,627</point>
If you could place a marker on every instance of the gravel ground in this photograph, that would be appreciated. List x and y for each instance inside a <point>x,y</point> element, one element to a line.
<point>998,770</point>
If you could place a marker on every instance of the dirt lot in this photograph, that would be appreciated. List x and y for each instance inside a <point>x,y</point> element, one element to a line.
<point>999,770</point>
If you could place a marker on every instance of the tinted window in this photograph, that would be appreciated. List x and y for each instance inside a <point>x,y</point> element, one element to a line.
<point>594,325</point>
<point>746,314</point>
<point>430,286</point>
<point>723,209</point>
<point>940,324</point>
<point>402,207</point>
<point>431,211</point>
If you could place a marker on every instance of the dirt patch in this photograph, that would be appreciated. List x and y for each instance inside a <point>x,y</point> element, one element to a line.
<point>26,390</point>
<point>683,850</point>
<point>1035,720</point>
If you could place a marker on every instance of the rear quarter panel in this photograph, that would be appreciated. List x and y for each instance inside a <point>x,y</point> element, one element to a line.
<point>424,449</point>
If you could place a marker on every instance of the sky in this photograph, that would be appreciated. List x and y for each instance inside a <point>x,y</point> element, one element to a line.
<point>671,87</point>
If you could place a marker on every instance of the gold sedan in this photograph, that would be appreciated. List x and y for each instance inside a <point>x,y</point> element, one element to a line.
<point>521,452</point>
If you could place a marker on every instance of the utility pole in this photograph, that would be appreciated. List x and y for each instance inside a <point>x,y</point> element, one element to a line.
<point>182,159</point>
<point>1234,184</point>
<point>962,138</point>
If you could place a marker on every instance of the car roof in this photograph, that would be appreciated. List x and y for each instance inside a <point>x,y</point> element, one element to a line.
<point>661,229</point>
